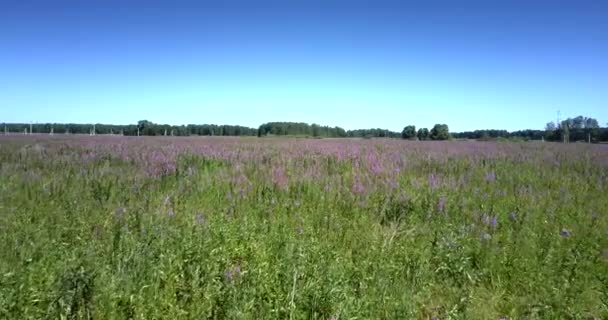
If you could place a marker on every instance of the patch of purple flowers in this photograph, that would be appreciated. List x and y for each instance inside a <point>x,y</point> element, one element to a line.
<point>490,176</point>
<point>441,204</point>
<point>233,272</point>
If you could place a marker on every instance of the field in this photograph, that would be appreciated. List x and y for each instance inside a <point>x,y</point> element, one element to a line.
<point>228,228</point>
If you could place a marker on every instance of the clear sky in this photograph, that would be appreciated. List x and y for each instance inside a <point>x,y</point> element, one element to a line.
<point>356,64</point>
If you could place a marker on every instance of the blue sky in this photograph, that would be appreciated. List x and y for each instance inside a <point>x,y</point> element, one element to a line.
<point>356,64</point>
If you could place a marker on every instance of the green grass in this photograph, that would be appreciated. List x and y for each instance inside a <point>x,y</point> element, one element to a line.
<point>100,240</point>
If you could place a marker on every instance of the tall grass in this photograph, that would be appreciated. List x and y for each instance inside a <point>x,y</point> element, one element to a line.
<point>165,228</point>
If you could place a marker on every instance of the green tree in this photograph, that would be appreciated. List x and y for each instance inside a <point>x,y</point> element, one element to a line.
<point>316,130</point>
<point>440,132</point>
<point>423,134</point>
<point>408,132</point>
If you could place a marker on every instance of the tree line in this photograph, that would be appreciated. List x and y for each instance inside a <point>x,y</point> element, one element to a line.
<point>299,129</point>
<point>142,128</point>
<point>576,129</point>
<point>315,130</point>
<point>579,128</point>
<point>569,130</point>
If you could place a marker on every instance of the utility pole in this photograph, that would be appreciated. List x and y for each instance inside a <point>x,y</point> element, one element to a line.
<point>138,131</point>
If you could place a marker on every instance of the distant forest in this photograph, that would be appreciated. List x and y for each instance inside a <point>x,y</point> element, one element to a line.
<point>569,130</point>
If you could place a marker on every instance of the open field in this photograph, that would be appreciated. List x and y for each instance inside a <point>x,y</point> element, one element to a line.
<point>247,228</point>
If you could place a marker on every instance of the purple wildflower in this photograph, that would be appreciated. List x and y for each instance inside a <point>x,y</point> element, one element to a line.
<point>394,184</point>
<point>228,275</point>
<point>564,233</point>
<point>490,176</point>
<point>493,222</point>
<point>358,187</point>
<point>279,178</point>
<point>441,204</point>
<point>232,273</point>
<point>200,218</point>
<point>374,164</point>
<point>119,212</point>
<point>433,182</point>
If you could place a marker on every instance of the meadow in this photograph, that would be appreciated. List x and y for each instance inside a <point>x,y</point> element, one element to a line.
<point>109,227</point>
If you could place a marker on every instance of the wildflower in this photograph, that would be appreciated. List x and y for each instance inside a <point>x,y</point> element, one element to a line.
<point>433,181</point>
<point>358,187</point>
<point>512,216</point>
<point>200,218</point>
<point>279,178</point>
<point>490,176</point>
<point>493,222</point>
<point>119,212</point>
<point>232,272</point>
<point>228,275</point>
<point>564,233</point>
<point>394,184</point>
<point>441,204</point>
<point>486,236</point>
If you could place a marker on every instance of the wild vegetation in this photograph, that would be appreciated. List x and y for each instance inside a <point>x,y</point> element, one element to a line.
<point>110,227</point>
